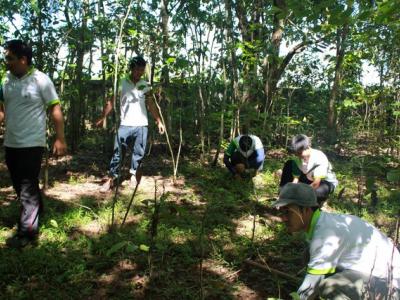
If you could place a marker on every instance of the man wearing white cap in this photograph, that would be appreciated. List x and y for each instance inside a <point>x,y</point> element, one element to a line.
<point>349,258</point>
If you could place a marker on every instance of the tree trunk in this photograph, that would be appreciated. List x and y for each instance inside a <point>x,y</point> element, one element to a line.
<point>165,56</point>
<point>221,126</point>
<point>78,102</point>
<point>232,60</point>
<point>335,91</point>
<point>271,63</point>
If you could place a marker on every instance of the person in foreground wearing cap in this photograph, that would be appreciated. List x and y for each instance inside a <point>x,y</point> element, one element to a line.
<point>349,258</point>
<point>310,166</point>
<point>135,96</point>
<point>244,152</point>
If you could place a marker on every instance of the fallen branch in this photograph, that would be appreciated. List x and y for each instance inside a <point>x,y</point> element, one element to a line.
<point>274,271</point>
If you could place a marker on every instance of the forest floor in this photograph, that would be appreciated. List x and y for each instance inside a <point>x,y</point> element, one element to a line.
<point>188,239</point>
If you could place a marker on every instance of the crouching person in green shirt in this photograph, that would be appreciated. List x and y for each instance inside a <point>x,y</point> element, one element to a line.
<point>244,152</point>
<point>349,258</point>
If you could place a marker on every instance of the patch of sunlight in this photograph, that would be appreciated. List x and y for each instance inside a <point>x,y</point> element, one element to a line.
<point>246,224</point>
<point>176,235</point>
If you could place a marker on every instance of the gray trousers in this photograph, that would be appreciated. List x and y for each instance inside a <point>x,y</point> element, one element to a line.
<point>354,285</point>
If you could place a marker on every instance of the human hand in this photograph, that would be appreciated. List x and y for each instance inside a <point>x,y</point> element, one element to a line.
<point>315,184</point>
<point>161,128</point>
<point>99,122</point>
<point>59,147</point>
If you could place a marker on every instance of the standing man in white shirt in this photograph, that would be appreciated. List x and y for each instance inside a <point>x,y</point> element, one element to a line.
<point>310,166</point>
<point>349,258</point>
<point>25,95</point>
<point>135,99</point>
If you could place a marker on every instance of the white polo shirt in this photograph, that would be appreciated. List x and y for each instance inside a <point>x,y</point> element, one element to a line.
<point>25,101</point>
<point>133,102</point>
<point>234,145</point>
<point>317,166</point>
<point>346,242</point>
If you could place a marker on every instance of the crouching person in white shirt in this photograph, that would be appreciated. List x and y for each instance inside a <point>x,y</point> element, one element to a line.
<point>349,258</point>
<point>310,166</point>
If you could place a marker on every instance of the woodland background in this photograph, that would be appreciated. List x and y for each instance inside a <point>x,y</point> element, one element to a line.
<point>329,69</point>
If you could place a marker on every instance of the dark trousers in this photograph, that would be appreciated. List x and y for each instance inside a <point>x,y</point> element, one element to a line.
<point>322,192</point>
<point>135,136</point>
<point>24,167</point>
<point>254,161</point>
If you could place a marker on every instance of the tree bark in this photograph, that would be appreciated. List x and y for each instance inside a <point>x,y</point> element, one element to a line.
<point>232,60</point>
<point>335,91</point>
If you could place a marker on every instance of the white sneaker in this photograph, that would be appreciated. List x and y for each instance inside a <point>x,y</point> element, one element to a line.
<point>133,181</point>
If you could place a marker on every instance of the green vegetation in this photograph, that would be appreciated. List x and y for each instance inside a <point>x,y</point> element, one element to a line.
<point>191,243</point>
<point>277,68</point>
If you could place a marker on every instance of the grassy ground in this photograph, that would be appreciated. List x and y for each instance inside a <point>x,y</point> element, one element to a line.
<point>184,240</point>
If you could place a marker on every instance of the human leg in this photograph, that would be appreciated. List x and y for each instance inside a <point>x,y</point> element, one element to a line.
<point>323,191</point>
<point>256,160</point>
<point>239,163</point>
<point>347,284</point>
<point>12,160</point>
<point>25,164</point>
<point>287,172</point>
<point>120,145</point>
<point>139,147</point>
<point>354,285</point>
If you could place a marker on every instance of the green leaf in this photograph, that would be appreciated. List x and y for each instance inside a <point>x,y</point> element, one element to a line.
<point>132,32</point>
<point>170,60</point>
<point>116,248</point>
<point>295,296</point>
<point>349,103</point>
<point>393,176</point>
<point>144,248</point>
<point>54,223</point>
<point>130,248</point>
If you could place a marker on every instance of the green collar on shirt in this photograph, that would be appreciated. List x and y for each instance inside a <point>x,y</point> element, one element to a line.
<point>31,69</point>
<point>314,220</point>
<point>128,78</point>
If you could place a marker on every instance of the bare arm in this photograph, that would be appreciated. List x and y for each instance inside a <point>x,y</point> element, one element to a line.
<point>315,184</point>
<point>154,112</point>
<point>106,111</point>
<point>2,114</point>
<point>59,147</point>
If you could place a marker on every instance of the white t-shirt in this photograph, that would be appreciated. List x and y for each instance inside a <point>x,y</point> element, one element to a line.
<point>26,100</point>
<point>257,144</point>
<point>133,103</point>
<point>347,242</point>
<point>320,166</point>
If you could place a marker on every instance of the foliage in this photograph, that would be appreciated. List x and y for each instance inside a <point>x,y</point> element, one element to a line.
<point>210,221</point>
<point>216,67</point>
